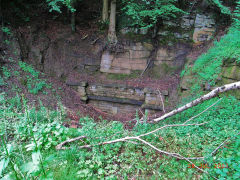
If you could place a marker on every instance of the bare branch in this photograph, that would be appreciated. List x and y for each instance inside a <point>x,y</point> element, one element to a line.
<point>203,111</point>
<point>214,152</point>
<point>160,94</point>
<point>172,125</point>
<point>60,146</point>
<point>210,95</point>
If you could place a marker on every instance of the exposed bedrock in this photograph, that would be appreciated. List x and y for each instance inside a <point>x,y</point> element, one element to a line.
<point>114,98</point>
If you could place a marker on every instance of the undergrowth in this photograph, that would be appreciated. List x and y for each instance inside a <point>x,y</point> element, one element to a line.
<point>30,135</point>
<point>207,67</point>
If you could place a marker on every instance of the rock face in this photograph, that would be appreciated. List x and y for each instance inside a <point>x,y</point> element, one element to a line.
<point>173,56</point>
<point>60,55</point>
<point>113,98</point>
<point>134,57</point>
<point>231,72</point>
<point>204,28</point>
<point>194,27</point>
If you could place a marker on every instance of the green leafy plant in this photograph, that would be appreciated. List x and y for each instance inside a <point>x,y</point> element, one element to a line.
<point>147,13</point>
<point>7,31</point>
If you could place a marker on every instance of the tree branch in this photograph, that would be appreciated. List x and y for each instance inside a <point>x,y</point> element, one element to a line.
<point>60,146</point>
<point>210,95</point>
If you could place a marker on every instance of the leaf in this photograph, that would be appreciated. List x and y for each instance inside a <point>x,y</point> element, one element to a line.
<point>9,148</point>
<point>30,167</point>
<point>7,177</point>
<point>36,157</point>
<point>3,165</point>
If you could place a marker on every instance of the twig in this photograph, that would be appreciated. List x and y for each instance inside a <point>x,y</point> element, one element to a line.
<point>160,94</point>
<point>84,37</point>
<point>60,146</point>
<point>172,125</point>
<point>203,111</point>
<point>207,96</point>
<point>94,41</point>
<point>136,137</point>
<point>214,152</point>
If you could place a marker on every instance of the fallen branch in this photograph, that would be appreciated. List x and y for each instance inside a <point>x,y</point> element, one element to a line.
<point>126,139</point>
<point>60,146</point>
<point>214,152</point>
<point>208,96</point>
<point>203,111</point>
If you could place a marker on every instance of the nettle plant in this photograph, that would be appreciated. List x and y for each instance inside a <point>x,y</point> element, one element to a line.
<point>34,83</point>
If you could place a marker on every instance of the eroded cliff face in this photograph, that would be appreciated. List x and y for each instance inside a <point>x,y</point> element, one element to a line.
<point>54,50</point>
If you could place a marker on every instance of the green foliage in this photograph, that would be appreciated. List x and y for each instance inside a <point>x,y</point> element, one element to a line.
<point>217,3</point>
<point>33,82</point>
<point>7,31</point>
<point>33,134</point>
<point>55,5</point>
<point>146,13</point>
<point>236,15</point>
<point>6,73</point>
<point>208,66</point>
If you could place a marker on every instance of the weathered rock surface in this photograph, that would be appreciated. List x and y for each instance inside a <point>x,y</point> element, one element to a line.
<point>204,28</point>
<point>173,56</point>
<point>134,57</point>
<point>114,98</point>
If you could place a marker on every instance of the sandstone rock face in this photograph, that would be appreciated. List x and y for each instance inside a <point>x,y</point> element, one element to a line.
<point>61,54</point>
<point>134,57</point>
<point>173,56</point>
<point>204,28</point>
<point>113,98</point>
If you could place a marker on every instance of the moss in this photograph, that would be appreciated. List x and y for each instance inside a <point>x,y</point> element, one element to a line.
<point>161,71</point>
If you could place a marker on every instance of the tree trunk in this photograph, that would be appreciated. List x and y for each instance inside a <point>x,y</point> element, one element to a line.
<point>112,26</point>
<point>73,19</point>
<point>105,11</point>
<point>1,13</point>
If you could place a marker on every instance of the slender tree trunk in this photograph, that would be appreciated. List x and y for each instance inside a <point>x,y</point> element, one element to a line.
<point>105,11</point>
<point>112,26</point>
<point>1,13</point>
<point>73,19</point>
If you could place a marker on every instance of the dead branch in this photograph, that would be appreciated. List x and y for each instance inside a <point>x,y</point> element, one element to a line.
<point>94,41</point>
<point>214,152</point>
<point>125,139</point>
<point>208,96</point>
<point>203,111</point>
<point>60,146</point>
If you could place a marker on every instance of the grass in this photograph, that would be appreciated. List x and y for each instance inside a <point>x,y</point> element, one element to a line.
<point>208,66</point>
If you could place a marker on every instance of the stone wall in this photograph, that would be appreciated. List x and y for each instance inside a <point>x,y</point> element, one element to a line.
<point>113,98</point>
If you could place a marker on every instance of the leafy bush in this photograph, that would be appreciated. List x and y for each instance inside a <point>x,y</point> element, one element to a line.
<point>147,13</point>
<point>34,83</point>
